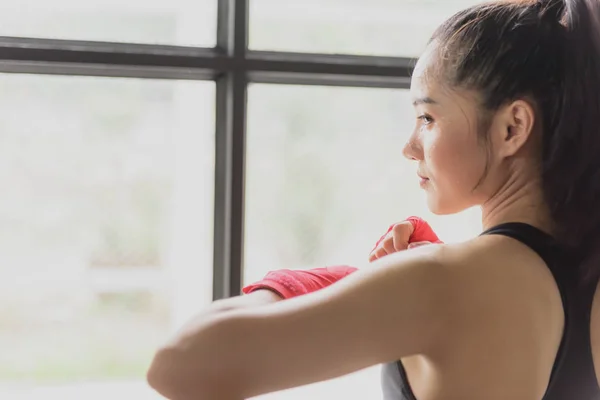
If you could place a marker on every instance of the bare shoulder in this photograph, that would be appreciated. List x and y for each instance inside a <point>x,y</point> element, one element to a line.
<point>509,318</point>
<point>496,263</point>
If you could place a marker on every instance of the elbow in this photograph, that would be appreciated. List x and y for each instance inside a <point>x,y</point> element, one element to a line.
<point>165,375</point>
<point>156,376</point>
<point>194,366</point>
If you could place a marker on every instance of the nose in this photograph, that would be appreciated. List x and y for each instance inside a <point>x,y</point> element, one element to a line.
<point>412,149</point>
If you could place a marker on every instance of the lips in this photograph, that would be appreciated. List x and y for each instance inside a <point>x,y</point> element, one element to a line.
<point>423,181</point>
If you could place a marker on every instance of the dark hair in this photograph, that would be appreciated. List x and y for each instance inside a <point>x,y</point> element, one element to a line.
<point>547,51</point>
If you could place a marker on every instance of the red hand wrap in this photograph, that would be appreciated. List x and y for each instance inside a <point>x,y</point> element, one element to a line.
<point>288,283</point>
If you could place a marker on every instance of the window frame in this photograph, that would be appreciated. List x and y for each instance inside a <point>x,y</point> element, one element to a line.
<point>232,66</point>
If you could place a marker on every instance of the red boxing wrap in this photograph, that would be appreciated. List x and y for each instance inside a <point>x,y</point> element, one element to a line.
<point>288,283</point>
<point>422,232</point>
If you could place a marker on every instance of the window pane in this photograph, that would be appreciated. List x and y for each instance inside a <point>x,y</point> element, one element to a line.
<point>178,22</point>
<point>325,179</point>
<point>364,27</point>
<point>105,229</point>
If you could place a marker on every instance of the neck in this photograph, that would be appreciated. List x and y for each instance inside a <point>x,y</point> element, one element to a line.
<point>517,202</point>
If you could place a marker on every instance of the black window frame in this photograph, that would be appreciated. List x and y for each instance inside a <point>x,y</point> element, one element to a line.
<point>233,66</point>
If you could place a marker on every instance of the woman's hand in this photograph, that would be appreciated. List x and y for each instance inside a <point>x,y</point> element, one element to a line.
<point>408,234</point>
<point>396,239</point>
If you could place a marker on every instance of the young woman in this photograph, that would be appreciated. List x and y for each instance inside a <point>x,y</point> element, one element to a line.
<point>507,100</point>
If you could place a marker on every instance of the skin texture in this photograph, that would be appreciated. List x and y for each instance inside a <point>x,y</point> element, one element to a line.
<point>477,320</point>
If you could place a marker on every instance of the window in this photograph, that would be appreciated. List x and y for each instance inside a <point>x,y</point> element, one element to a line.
<point>376,27</point>
<point>105,228</point>
<point>150,151</point>
<point>326,176</point>
<point>175,22</point>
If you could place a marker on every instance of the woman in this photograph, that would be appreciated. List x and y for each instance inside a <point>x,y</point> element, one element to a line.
<point>507,98</point>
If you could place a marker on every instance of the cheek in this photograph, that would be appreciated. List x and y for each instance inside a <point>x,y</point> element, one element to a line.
<point>456,166</point>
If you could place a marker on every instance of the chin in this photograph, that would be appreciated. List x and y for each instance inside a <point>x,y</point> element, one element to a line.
<point>439,207</point>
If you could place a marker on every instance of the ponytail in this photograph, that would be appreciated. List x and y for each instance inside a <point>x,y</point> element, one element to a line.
<point>571,146</point>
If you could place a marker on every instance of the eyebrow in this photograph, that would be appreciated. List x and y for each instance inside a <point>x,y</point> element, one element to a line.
<point>424,100</point>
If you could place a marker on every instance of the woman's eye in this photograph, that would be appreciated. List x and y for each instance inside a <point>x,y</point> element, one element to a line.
<point>426,119</point>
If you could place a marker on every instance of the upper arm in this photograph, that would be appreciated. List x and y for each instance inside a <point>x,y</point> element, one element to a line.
<point>398,307</point>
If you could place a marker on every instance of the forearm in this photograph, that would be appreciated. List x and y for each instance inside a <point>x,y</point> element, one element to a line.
<point>167,373</point>
<point>170,374</point>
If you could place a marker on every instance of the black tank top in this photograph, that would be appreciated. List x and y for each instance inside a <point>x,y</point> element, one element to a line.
<point>573,376</point>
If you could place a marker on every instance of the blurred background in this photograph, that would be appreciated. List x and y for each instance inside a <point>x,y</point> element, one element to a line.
<point>107,184</point>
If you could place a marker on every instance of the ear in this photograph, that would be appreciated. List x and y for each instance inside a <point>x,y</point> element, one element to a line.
<point>515,124</point>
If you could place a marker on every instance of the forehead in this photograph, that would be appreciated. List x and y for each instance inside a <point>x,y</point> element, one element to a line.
<point>427,60</point>
<point>424,76</point>
<point>428,86</point>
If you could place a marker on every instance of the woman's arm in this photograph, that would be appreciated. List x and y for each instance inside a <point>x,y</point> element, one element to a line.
<point>401,306</point>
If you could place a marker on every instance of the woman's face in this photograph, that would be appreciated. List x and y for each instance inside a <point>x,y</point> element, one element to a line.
<point>451,158</point>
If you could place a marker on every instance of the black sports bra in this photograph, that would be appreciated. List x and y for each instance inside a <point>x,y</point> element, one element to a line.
<point>573,375</point>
